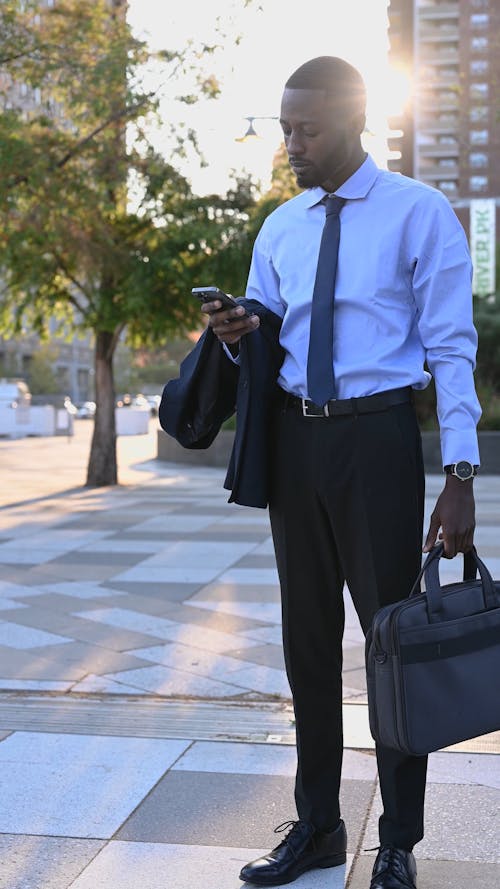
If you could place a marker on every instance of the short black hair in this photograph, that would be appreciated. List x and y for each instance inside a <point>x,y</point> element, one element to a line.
<point>337,77</point>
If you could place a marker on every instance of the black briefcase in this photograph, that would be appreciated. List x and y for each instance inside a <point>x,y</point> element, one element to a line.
<point>433,661</point>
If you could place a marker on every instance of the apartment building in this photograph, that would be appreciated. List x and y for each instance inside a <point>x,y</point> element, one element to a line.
<point>449,133</point>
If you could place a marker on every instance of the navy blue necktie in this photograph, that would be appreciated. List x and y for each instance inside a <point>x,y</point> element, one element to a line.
<point>320,376</point>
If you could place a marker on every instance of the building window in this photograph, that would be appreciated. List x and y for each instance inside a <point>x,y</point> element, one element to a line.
<point>479,90</point>
<point>447,162</point>
<point>447,140</point>
<point>479,20</point>
<point>479,137</point>
<point>450,187</point>
<point>478,183</point>
<point>478,159</point>
<point>478,66</point>
<point>480,4</point>
<point>448,97</point>
<point>63,377</point>
<point>479,44</point>
<point>478,114</point>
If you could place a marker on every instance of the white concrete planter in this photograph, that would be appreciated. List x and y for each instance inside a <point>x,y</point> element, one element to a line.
<point>219,452</point>
<point>132,420</point>
<point>216,455</point>
<point>14,421</point>
<point>42,420</point>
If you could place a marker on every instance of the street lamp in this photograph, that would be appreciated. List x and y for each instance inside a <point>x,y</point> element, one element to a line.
<point>251,132</point>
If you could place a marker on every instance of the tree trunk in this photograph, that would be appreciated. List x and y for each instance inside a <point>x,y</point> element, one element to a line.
<point>102,468</point>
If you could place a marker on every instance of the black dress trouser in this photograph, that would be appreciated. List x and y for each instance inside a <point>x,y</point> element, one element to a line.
<point>346,504</point>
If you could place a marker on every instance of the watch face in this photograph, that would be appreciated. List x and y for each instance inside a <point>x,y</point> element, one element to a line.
<point>464,469</point>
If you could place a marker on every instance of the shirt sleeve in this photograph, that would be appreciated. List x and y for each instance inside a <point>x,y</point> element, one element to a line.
<point>263,281</point>
<point>441,284</point>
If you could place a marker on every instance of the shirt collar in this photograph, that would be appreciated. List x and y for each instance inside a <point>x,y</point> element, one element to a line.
<point>357,186</point>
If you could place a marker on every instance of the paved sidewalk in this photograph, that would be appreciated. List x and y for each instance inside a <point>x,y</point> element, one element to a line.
<point>146,730</point>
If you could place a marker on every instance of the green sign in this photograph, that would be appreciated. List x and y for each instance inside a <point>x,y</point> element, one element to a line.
<point>482,246</point>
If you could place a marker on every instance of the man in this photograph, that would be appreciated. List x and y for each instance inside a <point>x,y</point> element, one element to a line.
<point>347,485</point>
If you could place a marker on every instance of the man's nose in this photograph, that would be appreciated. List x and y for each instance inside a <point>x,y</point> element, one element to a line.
<point>294,145</point>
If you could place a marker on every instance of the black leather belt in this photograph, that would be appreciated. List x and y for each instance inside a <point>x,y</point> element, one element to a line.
<point>341,407</point>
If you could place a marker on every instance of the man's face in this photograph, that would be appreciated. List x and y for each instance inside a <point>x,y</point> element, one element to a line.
<point>320,135</point>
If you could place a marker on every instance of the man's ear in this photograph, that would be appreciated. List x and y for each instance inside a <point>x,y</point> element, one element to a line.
<point>359,122</point>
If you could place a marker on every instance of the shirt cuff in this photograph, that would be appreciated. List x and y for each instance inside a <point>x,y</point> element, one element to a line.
<point>456,446</point>
<point>234,359</point>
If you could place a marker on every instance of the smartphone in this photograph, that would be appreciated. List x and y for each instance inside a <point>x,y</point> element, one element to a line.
<point>208,294</point>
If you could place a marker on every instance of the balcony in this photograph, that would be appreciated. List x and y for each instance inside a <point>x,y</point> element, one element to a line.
<point>439,11</point>
<point>439,127</point>
<point>444,34</point>
<point>430,54</point>
<point>438,80</point>
<point>395,143</point>
<point>436,172</point>
<point>432,103</point>
<point>437,150</point>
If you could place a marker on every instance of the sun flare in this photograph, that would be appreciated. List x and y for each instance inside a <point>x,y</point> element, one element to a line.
<point>272,42</point>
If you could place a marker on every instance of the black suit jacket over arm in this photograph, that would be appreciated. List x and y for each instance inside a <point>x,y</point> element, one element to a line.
<point>211,388</point>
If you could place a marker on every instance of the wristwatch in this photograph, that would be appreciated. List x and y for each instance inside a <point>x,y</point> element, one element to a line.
<point>462,470</point>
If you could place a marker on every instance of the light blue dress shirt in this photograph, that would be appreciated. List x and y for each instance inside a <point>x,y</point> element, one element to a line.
<point>402,297</point>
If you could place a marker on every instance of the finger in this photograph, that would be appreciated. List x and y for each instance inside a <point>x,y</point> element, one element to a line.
<point>466,542</point>
<point>224,316</point>
<point>210,308</point>
<point>231,330</point>
<point>469,543</point>
<point>230,325</point>
<point>430,540</point>
<point>450,545</point>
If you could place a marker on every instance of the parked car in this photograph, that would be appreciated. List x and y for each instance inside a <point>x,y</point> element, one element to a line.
<point>14,393</point>
<point>154,404</point>
<point>86,410</point>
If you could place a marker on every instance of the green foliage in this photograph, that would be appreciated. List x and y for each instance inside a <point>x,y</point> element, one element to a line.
<point>487,320</point>
<point>74,246</point>
<point>487,375</point>
<point>41,376</point>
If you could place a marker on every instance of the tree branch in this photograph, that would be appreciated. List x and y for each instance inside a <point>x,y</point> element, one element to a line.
<point>20,55</point>
<point>74,302</point>
<point>115,339</point>
<point>119,115</point>
<point>125,112</point>
<point>74,281</point>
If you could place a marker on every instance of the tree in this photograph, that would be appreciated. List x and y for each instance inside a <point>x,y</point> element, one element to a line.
<point>41,376</point>
<point>73,246</point>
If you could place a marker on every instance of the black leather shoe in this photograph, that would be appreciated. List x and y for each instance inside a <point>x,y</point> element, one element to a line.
<point>303,848</point>
<point>394,869</point>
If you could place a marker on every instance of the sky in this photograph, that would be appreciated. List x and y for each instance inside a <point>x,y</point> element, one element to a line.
<point>276,37</point>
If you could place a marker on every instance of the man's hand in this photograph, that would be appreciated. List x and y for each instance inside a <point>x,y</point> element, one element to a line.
<point>454,513</point>
<point>229,325</point>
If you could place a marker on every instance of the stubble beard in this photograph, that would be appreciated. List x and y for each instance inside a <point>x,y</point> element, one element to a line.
<point>307,178</point>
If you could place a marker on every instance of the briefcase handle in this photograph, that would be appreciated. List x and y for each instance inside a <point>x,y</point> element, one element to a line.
<point>430,568</point>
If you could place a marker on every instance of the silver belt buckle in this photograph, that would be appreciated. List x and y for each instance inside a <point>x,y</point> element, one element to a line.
<point>305,409</point>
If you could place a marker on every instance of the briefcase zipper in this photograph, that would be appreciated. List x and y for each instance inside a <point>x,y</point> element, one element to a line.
<point>381,655</point>
<point>397,653</point>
